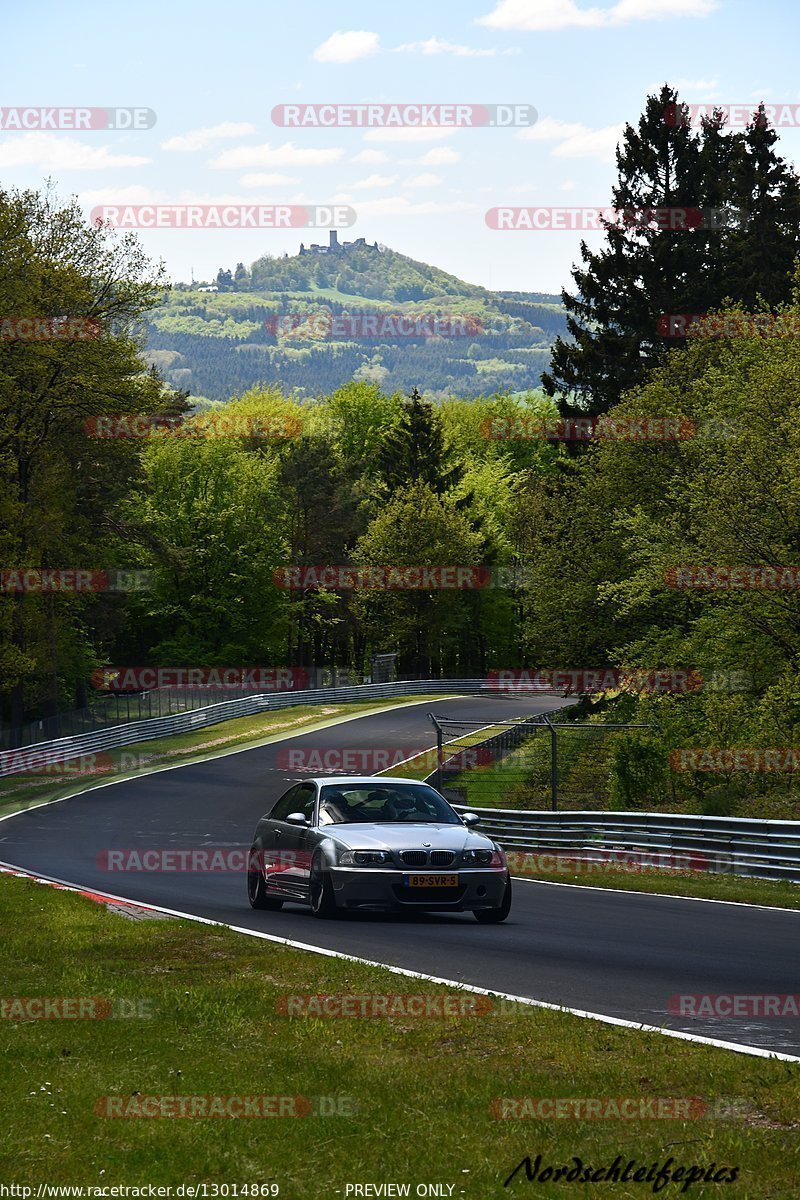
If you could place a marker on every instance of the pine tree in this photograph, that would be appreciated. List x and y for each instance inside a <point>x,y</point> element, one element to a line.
<point>642,273</point>
<point>414,451</point>
<point>763,253</point>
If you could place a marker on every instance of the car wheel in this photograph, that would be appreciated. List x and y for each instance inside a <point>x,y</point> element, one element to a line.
<point>493,916</point>
<point>256,888</point>
<point>323,901</point>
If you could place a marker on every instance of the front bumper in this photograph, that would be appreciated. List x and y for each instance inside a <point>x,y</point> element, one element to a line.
<point>361,887</point>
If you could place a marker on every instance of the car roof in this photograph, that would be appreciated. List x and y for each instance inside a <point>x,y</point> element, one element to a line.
<point>350,780</point>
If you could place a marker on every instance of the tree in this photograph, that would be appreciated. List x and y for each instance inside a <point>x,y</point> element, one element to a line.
<point>418,527</point>
<point>414,451</point>
<point>60,490</point>
<point>645,271</point>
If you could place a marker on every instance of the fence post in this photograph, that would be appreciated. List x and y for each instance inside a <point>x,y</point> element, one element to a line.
<point>439,752</point>
<point>553,764</point>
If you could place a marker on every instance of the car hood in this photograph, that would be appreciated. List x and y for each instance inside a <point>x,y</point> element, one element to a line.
<point>408,835</point>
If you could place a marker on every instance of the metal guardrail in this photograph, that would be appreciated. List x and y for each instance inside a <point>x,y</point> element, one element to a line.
<point>64,749</point>
<point>761,849</point>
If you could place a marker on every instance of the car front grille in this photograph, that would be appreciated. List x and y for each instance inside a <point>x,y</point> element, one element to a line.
<point>415,858</point>
<point>420,858</point>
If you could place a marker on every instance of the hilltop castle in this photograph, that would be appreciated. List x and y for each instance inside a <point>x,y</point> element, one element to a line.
<point>336,247</point>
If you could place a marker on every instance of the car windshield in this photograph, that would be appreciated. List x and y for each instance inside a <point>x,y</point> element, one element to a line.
<point>384,804</point>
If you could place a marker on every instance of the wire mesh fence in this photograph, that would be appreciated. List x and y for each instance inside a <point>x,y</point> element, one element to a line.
<point>120,708</point>
<point>528,763</point>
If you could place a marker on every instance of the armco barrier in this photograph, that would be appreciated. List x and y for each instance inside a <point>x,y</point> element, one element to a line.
<point>63,749</point>
<point>722,845</point>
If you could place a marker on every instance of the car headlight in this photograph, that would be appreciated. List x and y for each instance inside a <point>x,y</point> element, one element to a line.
<point>483,858</point>
<point>365,858</point>
<point>476,858</point>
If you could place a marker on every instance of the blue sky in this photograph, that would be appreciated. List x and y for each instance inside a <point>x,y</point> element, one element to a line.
<point>213,72</point>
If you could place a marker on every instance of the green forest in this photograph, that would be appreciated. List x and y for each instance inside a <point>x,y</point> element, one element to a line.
<point>398,466</point>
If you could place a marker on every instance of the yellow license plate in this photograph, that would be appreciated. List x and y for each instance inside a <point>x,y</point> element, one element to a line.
<point>431,880</point>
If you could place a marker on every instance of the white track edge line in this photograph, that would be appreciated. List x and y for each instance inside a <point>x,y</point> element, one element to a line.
<point>587,887</point>
<point>752,1051</point>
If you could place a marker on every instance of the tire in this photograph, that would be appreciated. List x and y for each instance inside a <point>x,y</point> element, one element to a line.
<point>493,916</point>
<point>257,889</point>
<point>323,901</point>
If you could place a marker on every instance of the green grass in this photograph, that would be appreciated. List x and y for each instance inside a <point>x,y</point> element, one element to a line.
<point>422,1089</point>
<point>24,790</point>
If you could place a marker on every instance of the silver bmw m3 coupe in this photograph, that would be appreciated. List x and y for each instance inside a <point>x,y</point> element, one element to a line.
<point>367,842</point>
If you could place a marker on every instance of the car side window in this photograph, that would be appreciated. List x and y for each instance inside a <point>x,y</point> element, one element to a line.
<point>290,802</point>
<point>305,801</point>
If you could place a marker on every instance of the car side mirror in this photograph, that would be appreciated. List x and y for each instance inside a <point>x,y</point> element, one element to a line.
<point>470,819</point>
<point>297,818</point>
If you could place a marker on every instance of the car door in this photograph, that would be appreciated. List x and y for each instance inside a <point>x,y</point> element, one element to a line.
<point>278,859</point>
<point>296,842</point>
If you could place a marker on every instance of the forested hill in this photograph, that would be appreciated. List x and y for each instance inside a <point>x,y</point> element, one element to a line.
<point>218,343</point>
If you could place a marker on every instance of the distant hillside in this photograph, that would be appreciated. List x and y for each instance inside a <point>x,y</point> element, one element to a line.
<point>219,343</point>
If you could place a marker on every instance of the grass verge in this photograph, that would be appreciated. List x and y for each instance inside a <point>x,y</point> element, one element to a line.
<point>420,1092</point>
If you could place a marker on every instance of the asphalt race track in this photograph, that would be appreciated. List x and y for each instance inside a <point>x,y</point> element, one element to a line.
<point>622,955</point>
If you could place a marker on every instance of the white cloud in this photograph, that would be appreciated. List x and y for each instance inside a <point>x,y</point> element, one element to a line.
<point>531,15</point>
<point>53,152</point>
<point>425,180</point>
<point>551,129</point>
<point>408,133</point>
<point>287,155</point>
<point>370,156</point>
<point>375,181</point>
<point>568,185</point>
<point>519,189</point>
<point>347,46</point>
<point>441,156</point>
<point>198,139</point>
<point>575,140</point>
<point>259,179</point>
<point>435,45</point>
<point>592,143</point>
